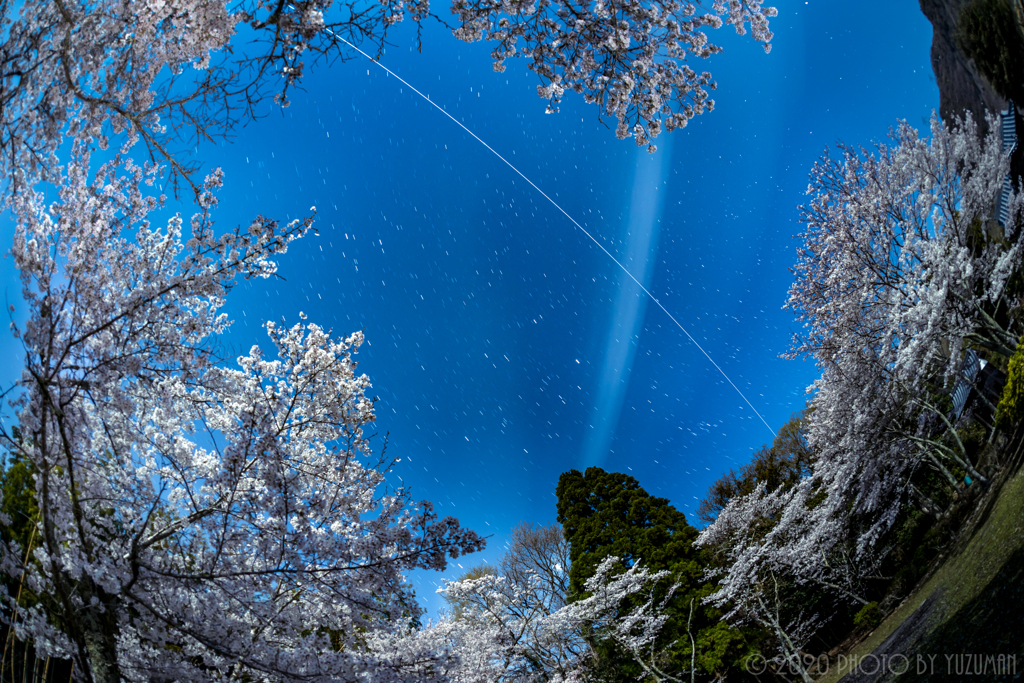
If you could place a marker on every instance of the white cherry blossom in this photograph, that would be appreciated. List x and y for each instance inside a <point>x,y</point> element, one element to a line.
<point>200,518</point>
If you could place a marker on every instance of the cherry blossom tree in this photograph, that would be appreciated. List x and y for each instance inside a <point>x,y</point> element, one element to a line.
<point>511,603</point>
<point>491,642</point>
<point>902,265</point>
<point>510,630</point>
<point>172,73</point>
<point>197,518</point>
<point>757,536</point>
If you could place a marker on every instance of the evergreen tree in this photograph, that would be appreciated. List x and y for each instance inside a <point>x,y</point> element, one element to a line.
<point>609,514</point>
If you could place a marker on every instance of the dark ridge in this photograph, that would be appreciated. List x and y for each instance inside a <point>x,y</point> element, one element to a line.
<point>961,87</point>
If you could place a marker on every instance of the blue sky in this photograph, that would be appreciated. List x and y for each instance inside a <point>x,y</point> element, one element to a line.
<point>505,347</point>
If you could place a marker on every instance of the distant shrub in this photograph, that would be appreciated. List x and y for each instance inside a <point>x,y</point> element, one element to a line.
<point>987,32</point>
<point>973,438</point>
<point>868,617</point>
<point>1010,411</point>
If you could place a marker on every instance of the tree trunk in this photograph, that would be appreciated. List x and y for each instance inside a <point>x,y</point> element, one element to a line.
<point>927,505</point>
<point>99,630</point>
<point>941,469</point>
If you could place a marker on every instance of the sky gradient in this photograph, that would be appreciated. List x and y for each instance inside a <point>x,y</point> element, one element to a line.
<point>504,345</point>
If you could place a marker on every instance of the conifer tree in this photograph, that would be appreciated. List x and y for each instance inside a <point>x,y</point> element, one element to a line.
<point>608,514</point>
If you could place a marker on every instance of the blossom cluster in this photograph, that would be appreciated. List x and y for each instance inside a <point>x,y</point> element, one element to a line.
<point>628,58</point>
<point>902,265</point>
<point>198,517</point>
<point>510,637</point>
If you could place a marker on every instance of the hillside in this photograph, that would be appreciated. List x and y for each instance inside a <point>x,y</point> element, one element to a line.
<point>967,615</point>
<point>961,87</point>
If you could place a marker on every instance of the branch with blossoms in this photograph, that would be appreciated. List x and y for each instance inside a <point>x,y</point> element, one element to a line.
<point>198,517</point>
<point>524,643</point>
<point>759,538</point>
<point>173,74</point>
<point>627,58</point>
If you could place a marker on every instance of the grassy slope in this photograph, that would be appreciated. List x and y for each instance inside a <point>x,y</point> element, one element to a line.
<point>972,604</point>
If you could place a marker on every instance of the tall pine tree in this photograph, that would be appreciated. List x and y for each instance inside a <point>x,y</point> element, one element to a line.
<point>609,514</point>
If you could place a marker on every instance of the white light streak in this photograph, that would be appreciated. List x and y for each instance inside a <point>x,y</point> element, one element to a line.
<point>571,219</point>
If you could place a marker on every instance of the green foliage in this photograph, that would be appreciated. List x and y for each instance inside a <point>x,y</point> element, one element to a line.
<point>608,513</point>
<point>973,437</point>
<point>987,32</point>
<point>868,617</point>
<point>1010,411</point>
<point>20,506</point>
<point>917,540</point>
<point>19,503</point>
<point>721,647</point>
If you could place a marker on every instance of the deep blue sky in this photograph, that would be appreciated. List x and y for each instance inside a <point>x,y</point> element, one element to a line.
<point>504,346</point>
